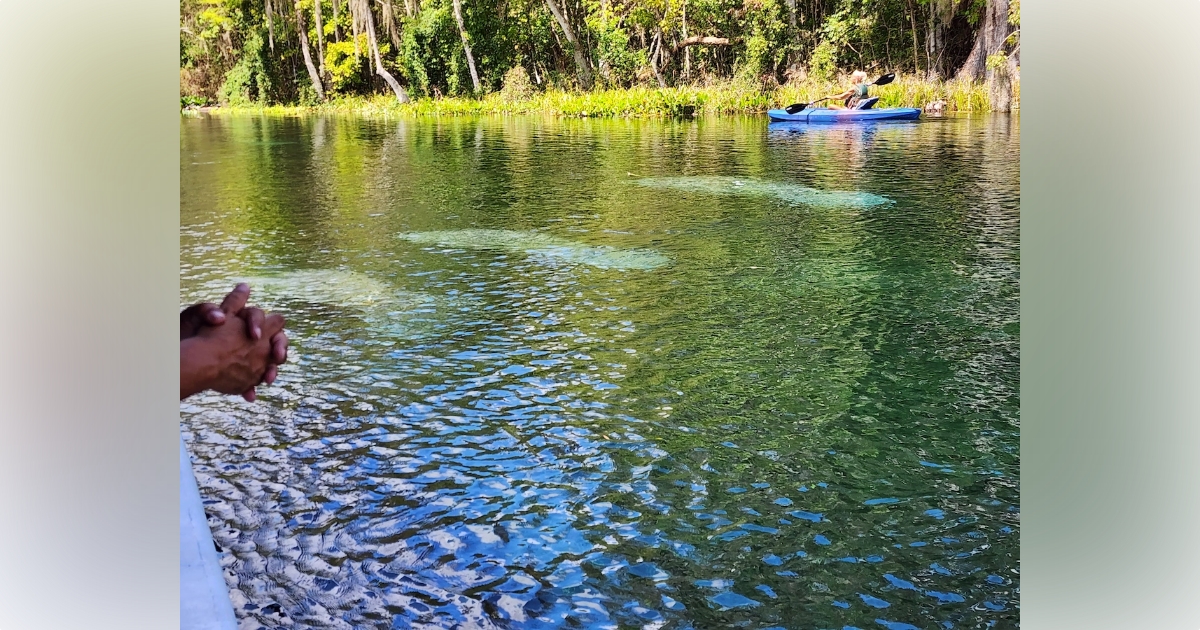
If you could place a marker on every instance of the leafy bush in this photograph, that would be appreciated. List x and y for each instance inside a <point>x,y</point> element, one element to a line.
<point>517,85</point>
<point>345,68</point>
<point>247,82</point>
<point>189,100</point>
<point>612,51</point>
<point>822,64</point>
<point>431,57</point>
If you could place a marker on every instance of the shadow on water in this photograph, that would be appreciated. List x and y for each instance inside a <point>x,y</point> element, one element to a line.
<point>572,374</point>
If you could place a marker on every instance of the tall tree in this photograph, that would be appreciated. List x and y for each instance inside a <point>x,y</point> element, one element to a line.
<point>360,12</point>
<point>462,32</point>
<point>581,63</point>
<point>337,33</point>
<point>355,24</point>
<point>320,38</point>
<point>912,18</point>
<point>941,14</point>
<point>308,63</point>
<point>994,29</point>
<point>270,23</point>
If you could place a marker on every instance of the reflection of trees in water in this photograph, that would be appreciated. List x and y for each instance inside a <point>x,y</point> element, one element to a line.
<point>884,334</point>
<point>898,346</point>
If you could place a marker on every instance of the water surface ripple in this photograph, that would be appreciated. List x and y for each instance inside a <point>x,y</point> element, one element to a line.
<point>530,390</point>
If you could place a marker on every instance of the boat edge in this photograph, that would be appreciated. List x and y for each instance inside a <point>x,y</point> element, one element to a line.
<point>204,602</point>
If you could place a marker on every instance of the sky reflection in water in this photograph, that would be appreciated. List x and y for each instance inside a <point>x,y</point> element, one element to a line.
<point>571,398</point>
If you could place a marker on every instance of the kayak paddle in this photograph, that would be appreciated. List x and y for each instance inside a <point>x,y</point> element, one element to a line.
<point>796,108</point>
<point>799,107</point>
<point>885,79</point>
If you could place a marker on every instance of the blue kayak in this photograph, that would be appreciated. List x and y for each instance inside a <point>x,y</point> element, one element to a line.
<point>824,115</point>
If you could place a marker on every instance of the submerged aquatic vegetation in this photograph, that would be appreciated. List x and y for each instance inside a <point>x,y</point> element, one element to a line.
<point>541,245</point>
<point>790,193</point>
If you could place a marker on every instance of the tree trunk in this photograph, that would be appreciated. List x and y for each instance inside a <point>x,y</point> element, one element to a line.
<point>401,95</point>
<point>462,32</point>
<point>912,19</point>
<point>581,63</point>
<point>320,38</point>
<point>1014,63</point>
<point>337,31</point>
<point>941,14</point>
<point>373,43</point>
<point>687,54</point>
<point>355,18</point>
<point>934,35</point>
<point>988,40</point>
<point>656,56</point>
<point>533,57</point>
<point>312,70</point>
<point>270,24</point>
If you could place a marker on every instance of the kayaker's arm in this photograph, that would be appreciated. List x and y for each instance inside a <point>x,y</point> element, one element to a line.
<point>841,97</point>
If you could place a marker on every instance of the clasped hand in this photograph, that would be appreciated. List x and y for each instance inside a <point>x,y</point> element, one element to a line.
<point>230,359</point>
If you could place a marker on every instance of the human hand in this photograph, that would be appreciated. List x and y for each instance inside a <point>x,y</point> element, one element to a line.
<point>197,316</point>
<point>256,321</point>
<point>235,304</point>
<point>224,359</point>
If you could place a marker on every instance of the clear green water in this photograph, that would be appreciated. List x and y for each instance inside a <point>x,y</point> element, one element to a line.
<point>594,374</point>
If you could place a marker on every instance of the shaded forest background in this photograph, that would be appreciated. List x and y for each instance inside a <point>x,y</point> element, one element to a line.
<point>240,52</point>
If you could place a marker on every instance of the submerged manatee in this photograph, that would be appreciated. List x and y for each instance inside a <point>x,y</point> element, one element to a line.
<point>538,244</point>
<point>381,306</point>
<point>341,288</point>
<point>790,193</point>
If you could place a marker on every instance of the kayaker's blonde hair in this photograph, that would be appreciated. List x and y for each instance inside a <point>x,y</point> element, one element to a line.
<point>858,76</point>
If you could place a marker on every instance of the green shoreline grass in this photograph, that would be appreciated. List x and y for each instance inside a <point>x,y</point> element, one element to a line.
<point>646,102</point>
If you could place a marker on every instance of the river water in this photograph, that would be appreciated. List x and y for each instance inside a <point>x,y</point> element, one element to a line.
<point>614,374</point>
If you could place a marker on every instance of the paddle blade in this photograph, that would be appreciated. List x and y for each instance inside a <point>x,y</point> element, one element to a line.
<point>886,79</point>
<point>795,108</point>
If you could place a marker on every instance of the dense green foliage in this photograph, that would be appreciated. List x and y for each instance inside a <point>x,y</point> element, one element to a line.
<point>253,52</point>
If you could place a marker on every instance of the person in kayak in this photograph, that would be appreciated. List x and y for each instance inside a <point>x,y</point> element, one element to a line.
<point>854,95</point>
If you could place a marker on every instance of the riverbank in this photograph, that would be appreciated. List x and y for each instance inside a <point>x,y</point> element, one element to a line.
<point>649,102</point>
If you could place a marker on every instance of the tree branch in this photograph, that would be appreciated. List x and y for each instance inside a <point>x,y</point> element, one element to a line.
<point>699,40</point>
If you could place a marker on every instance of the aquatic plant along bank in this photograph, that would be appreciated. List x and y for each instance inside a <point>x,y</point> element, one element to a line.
<point>728,98</point>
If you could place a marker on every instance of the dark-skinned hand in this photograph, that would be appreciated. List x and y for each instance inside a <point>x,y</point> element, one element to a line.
<point>196,317</point>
